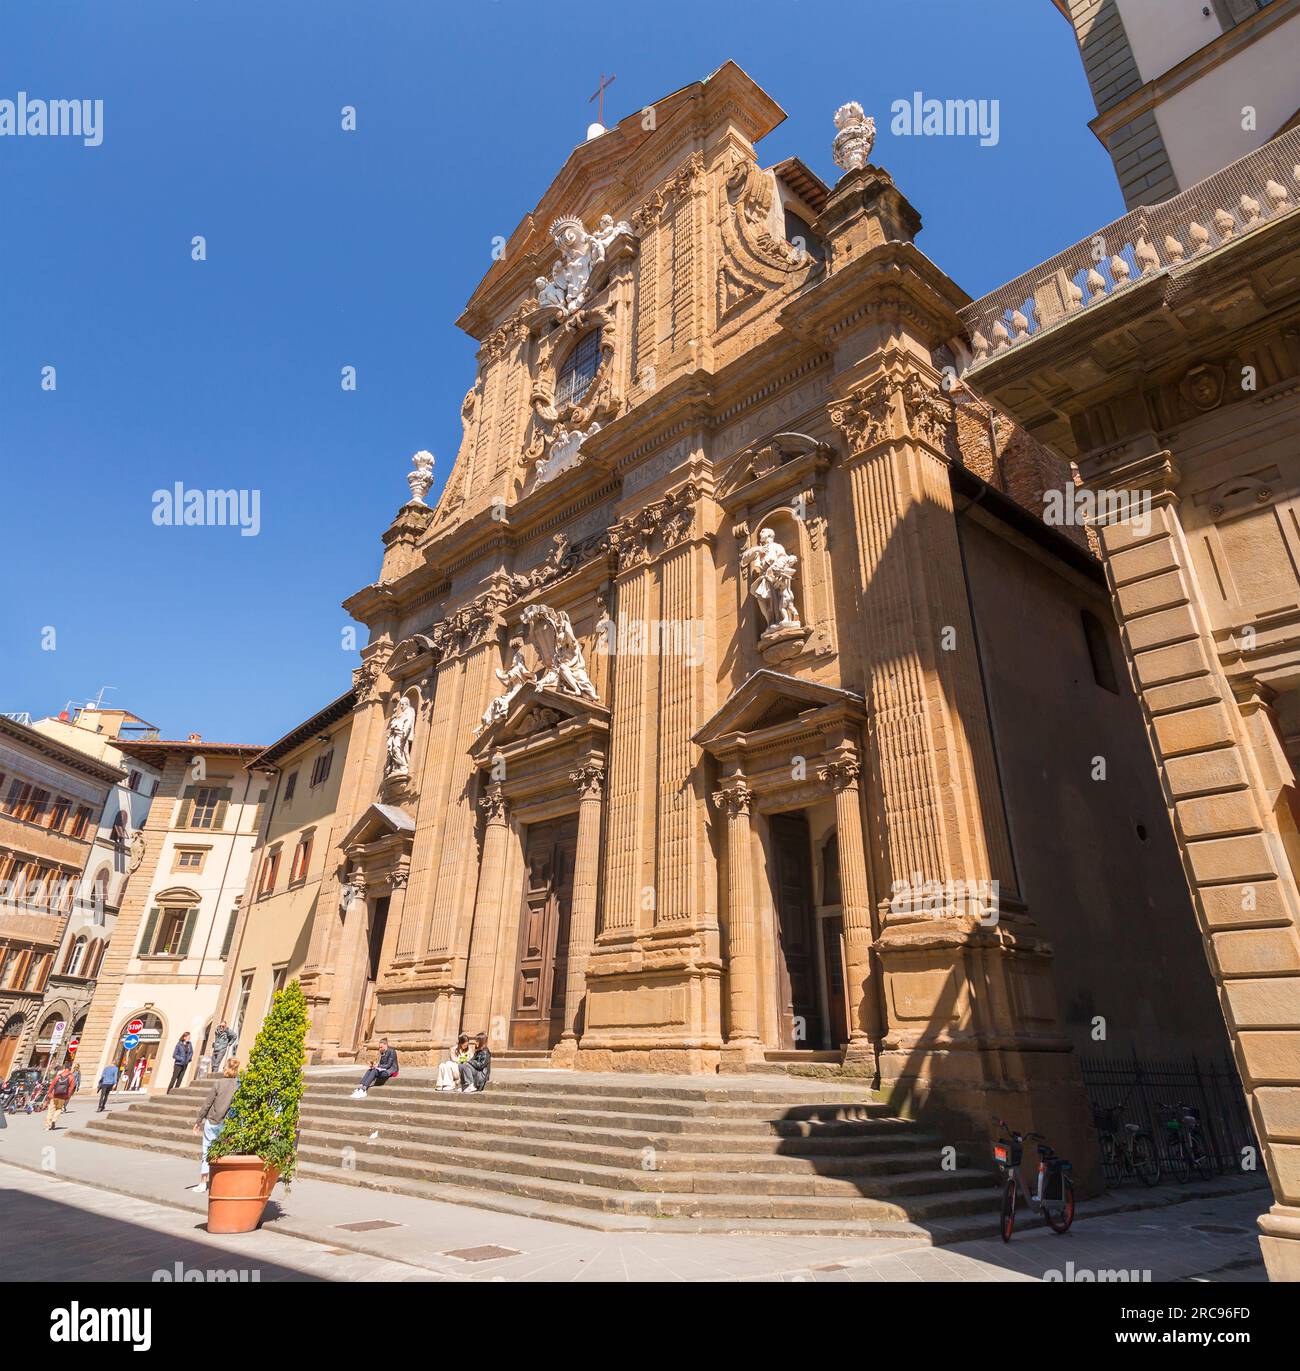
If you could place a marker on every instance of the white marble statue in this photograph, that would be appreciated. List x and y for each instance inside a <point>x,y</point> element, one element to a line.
<point>400,728</point>
<point>513,678</point>
<point>581,253</point>
<point>563,665</point>
<point>771,580</point>
<point>857,134</point>
<point>562,451</point>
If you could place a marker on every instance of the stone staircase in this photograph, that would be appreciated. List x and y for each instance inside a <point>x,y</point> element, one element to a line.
<point>623,1152</point>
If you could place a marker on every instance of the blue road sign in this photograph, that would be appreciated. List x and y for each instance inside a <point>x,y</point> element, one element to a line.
<point>131,1040</point>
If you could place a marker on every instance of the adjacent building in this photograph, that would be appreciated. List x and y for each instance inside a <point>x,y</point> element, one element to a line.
<point>52,797</point>
<point>269,943</point>
<point>115,853</point>
<point>163,970</point>
<point>1183,89</point>
<point>735,702</point>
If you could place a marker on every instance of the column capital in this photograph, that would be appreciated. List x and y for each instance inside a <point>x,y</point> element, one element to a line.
<point>840,772</point>
<point>735,799</point>
<point>589,780</point>
<point>493,803</point>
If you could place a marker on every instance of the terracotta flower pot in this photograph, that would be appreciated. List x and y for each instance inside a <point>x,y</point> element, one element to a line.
<point>238,1189</point>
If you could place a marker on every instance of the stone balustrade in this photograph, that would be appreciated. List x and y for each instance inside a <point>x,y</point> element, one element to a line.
<point>1233,202</point>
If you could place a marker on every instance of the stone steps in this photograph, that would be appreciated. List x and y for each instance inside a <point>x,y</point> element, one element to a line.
<point>620,1152</point>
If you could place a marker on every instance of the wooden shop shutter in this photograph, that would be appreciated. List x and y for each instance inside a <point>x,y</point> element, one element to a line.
<point>187,933</point>
<point>146,943</point>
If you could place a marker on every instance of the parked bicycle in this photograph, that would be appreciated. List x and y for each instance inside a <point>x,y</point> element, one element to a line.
<point>1127,1149</point>
<point>1185,1144</point>
<point>1054,1193</point>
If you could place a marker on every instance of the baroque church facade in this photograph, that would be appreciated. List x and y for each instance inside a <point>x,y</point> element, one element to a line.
<point>733,702</point>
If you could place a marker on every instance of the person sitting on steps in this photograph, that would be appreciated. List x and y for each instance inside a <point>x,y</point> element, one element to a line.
<point>449,1071</point>
<point>379,1072</point>
<point>475,1072</point>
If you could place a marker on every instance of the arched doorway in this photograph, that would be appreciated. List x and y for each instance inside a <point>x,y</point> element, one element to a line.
<point>10,1036</point>
<point>136,1065</point>
<point>50,1038</point>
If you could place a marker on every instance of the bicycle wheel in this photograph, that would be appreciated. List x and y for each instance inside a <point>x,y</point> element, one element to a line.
<point>1202,1160</point>
<point>1060,1217</point>
<point>1180,1163</point>
<point>1008,1209</point>
<point>1111,1166</point>
<point>1146,1159</point>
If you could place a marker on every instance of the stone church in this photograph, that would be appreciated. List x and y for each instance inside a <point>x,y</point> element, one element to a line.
<point>734,704</point>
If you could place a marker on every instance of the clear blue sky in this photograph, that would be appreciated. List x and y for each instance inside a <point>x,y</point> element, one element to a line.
<point>328,248</point>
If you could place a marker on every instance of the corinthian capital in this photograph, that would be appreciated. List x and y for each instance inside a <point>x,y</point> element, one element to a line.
<point>735,800</point>
<point>493,803</point>
<point>589,779</point>
<point>840,772</point>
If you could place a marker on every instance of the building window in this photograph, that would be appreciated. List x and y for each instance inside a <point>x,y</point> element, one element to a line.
<point>321,768</point>
<point>76,957</point>
<point>133,781</point>
<point>168,932</point>
<point>35,806</point>
<point>189,858</point>
<point>270,868</point>
<point>81,822</point>
<point>95,958</point>
<point>301,858</point>
<point>17,797</point>
<point>59,813</point>
<point>203,812</point>
<point>579,369</point>
<point>241,1004</point>
<point>290,786</point>
<point>1098,641</point>
<point>230,934</point>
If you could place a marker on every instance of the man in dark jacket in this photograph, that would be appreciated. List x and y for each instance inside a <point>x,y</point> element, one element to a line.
<point>475,1072</point>
<point>182,1055</point>
<point>379,1072</point>
<point>222,1042</point>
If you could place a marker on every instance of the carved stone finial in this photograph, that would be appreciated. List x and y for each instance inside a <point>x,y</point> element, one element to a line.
<point>421,477</point>
<point>857,134</point>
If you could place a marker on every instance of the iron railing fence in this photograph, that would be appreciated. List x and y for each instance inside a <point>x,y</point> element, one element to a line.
<point>1139,1088</point>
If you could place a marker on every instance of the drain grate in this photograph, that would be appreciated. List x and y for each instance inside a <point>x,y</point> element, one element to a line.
<point>367,1225</point>
<point>482,1254</point>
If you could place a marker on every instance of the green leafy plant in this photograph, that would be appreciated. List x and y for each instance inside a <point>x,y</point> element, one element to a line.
<point>263,1120</point>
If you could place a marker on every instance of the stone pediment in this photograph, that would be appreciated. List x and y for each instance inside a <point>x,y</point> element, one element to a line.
<point>769,699</point>
<point>537,710</point>
<point>377,823</point>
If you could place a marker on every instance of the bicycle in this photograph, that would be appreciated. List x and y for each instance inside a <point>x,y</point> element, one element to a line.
<point>1126,1148</point>
<point>1054,1194</point>
<point>1186,1147</point>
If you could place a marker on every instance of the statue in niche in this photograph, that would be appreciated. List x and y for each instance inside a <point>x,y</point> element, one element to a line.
<point>563,665</point>
<point>400,728</point>
<point>771,580</point>
<point>513,678</point>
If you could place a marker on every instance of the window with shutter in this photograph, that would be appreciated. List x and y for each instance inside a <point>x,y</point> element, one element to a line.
<point>187,933</point>
<point>230,933</point>
<point>223,804</point>
<point>150,924</point>
<point>187,806</point>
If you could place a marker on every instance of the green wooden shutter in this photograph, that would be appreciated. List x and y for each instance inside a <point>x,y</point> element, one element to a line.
<point>230,934</point>
<point>146,943</point>
<point>187,804</point>
<point>191,918</point>
<point>223,803</point>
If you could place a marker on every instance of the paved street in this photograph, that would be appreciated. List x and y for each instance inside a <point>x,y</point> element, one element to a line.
<point>119,1214</point>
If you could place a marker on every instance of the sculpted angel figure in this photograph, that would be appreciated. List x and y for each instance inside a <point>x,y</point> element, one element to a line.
<point>553,293</point>
<point>563,665</point>
<point>400,728</point>
<point>771,579</point>
<point>513,678</point>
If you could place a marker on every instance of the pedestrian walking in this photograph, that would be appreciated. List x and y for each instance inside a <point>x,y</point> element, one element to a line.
<point>59,1094</point>
<point>182,1055</point>
<point>107,1080</point>
<point>212,1117</point>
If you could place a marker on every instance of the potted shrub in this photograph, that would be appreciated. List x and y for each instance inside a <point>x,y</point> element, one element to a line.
<point>259,1144</point>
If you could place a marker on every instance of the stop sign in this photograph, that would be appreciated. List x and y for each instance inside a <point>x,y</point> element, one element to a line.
<point>135,1025</point>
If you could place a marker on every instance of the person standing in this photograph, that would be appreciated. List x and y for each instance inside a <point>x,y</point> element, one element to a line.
<point>182,1055</point>
<point>107,1080</point>
<point>212,1117</point>
<point>222,1041</point>
<point>60,1093</point>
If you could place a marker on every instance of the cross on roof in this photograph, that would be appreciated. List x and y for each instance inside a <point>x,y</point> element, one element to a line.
<point>600,94</point>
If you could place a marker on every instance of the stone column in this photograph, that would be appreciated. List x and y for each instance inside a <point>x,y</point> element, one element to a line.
<point>590,780</point>
<point>486,931</point>
<point>1216,779</point>
<point>841,773</point>
<point>736,801</point>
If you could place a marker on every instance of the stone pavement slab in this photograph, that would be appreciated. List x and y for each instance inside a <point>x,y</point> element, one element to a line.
<point>1202,1239</point>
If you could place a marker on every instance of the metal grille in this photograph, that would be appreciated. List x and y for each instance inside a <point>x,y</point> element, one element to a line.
<point>579,369</point>
<point>1137,1088</point>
